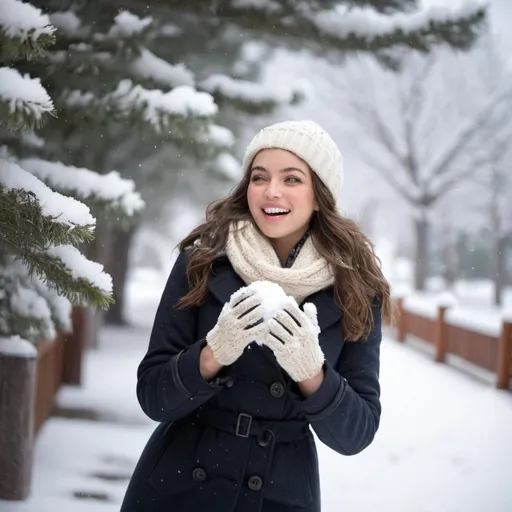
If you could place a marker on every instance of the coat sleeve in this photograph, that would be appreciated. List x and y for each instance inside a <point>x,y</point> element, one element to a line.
<point>345,410</point>
<point>169,383</point>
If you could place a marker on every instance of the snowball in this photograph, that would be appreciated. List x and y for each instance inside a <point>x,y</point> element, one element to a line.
<point>272,297</point>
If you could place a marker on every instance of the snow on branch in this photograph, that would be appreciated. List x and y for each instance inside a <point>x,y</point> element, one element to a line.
<point>67,22</point>
<point>218,136</point>
<point>368,24</point>
<point>25,32</point>
<point>149,66</point>
<point>110,189</point>
<point>80,268</point>
<point>24,102</point>
<point>245,92</point>
<point>127,24</point>
<point>59,208</point>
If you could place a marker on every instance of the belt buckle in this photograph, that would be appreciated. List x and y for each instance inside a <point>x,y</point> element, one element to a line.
<point>239,424</point>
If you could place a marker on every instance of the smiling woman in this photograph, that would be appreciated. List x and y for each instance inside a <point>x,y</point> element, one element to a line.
<point>236,417</point>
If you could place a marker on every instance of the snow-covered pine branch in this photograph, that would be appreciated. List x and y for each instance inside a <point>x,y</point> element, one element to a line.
<point>24,102</point>
<point>70,214</point>
<point>150,67</point>
<point>106,191</point>
<point>23,311</point>
<point>25,32</point>
<point>349,28</point>
<point>173,114</point>
<point>74,276</point>
<point>37,222</point>
<point>367,29</point>
<point>246,95</point>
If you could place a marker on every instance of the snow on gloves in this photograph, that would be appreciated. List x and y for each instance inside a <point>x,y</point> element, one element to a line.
<point>237,326</point>
<point>293,337</point>
<point>292,334</point>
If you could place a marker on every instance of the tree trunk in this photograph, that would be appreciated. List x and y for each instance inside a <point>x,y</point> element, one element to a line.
<point>450,258</point>
<point>117,267</point>
<point>421,256</point>
<point>99,250</point>
<point>500,270</point>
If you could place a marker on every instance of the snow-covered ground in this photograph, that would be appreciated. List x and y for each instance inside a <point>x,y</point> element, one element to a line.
<point>443,446</point>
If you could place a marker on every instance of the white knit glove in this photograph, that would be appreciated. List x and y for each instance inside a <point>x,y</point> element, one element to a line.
<point>293,337</point>
<point>235,327</point>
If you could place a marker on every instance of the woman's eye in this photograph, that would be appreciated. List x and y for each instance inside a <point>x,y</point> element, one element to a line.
<point>293,179</point>
<point>256,178</point>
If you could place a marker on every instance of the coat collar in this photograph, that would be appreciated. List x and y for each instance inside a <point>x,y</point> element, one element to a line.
<point>225,281</point>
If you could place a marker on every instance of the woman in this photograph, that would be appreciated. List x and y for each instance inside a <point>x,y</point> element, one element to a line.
<point>235,416</point>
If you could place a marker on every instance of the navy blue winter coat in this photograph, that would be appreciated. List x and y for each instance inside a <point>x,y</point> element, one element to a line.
<point>242,442</point>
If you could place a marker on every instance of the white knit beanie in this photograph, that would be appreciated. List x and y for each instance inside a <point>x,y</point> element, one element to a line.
<point>308,141</point>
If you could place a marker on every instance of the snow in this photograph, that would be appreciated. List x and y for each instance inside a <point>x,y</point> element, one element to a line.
<point>66,21</point>
<point>62,209</point>
<point>268,6</point>
<point>14,346</point>
<point>80,267</point>
<point>84,183</point>
<point>219,136</point>
<point>183,101</point>
<point>24,21</point>
<point>24,93</point>
<point>28,303</point>
<point>229,166</point>
<point>128,25</point>
<point>468,309</point>
<point>249,92</point>
<point>421,460</point>
<point>369,24</point>
<point>148,65</point>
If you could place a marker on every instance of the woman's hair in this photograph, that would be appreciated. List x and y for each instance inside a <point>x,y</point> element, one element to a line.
<point>358,279</point>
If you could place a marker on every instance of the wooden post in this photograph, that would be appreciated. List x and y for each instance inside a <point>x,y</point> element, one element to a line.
<point>401,331</point>
<point>441,335</point>
<point>504,356</point>
<point>17,395</point>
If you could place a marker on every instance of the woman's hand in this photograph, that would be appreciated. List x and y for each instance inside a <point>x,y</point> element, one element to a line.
<point>293,337</point>
<point>239,324</point>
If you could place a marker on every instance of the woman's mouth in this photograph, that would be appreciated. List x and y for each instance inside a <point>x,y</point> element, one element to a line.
<point>274,214</point>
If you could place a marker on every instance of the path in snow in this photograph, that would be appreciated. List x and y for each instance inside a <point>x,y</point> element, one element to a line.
<point>444,444</point>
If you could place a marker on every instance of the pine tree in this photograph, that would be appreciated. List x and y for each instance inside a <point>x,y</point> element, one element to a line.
<point>45,206</point>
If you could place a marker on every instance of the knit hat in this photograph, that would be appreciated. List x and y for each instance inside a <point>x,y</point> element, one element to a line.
<point>308,141</point>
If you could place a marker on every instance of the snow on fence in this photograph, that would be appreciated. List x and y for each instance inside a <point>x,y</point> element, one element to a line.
<point>30,376</point>
<point>480,340</point>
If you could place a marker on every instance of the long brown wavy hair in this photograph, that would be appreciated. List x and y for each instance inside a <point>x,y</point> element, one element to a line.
<point>358,278</point>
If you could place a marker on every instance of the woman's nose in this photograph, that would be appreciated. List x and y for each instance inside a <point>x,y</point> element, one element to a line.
<point>273,190</point>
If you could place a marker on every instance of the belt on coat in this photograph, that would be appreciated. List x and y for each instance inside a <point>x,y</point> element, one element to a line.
<point>244,425</point>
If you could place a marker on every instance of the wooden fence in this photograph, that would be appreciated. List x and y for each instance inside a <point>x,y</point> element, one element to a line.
<point>492,353</point>
<point>28,385</point>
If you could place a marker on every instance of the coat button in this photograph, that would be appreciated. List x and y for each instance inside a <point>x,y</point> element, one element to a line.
<point>277,389</point>
<point>199,475</point>
<point>229,382</point>
<point>255,483</point>
<point>265,438</point>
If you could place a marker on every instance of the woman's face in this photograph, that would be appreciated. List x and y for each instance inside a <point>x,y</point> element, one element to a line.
<point>280,195</point>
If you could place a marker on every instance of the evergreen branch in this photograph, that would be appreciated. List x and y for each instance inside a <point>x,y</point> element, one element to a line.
<point>106,194</point>
<point>24,226</point>
<point>24,102</point>
<point>56,275</point>
<point>24,48</point>
<point>346,31</point>
<point>25,32</point>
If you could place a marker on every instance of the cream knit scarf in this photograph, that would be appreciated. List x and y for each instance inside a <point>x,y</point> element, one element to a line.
<point>253,259</point>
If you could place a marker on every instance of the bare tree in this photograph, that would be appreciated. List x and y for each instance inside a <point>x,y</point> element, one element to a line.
<point>428,127</point>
